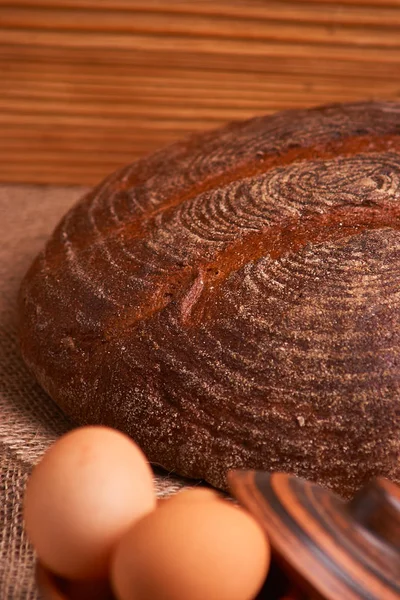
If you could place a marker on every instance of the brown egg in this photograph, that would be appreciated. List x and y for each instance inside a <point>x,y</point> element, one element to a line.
<point>200,550</point>
<point>87,490</point>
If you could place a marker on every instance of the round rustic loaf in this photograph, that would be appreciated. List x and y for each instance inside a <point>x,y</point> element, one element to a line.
<point>234,300</point>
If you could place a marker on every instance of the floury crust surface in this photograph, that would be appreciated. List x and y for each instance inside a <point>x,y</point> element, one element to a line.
<point>233,300</point>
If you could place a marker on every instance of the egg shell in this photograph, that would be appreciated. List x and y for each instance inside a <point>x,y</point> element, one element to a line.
<point>200,550</point>
<point>87,490</point>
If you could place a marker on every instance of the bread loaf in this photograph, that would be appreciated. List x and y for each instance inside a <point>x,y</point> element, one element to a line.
<point>233,301</point>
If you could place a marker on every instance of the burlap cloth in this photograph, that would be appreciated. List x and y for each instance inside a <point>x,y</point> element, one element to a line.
<point>29,420</point>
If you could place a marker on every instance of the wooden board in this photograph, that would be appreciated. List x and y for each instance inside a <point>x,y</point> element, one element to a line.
<point>89,85</point>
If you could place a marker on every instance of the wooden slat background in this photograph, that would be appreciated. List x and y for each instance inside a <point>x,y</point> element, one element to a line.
<point>89,85</point>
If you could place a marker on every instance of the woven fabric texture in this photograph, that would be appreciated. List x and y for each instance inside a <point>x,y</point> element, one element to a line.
<point>29,420</point>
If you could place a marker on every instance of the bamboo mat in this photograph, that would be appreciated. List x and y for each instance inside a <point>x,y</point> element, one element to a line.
<point>89,85</point>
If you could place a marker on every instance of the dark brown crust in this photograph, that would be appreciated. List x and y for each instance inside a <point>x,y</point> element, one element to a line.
<point>233,300</point>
